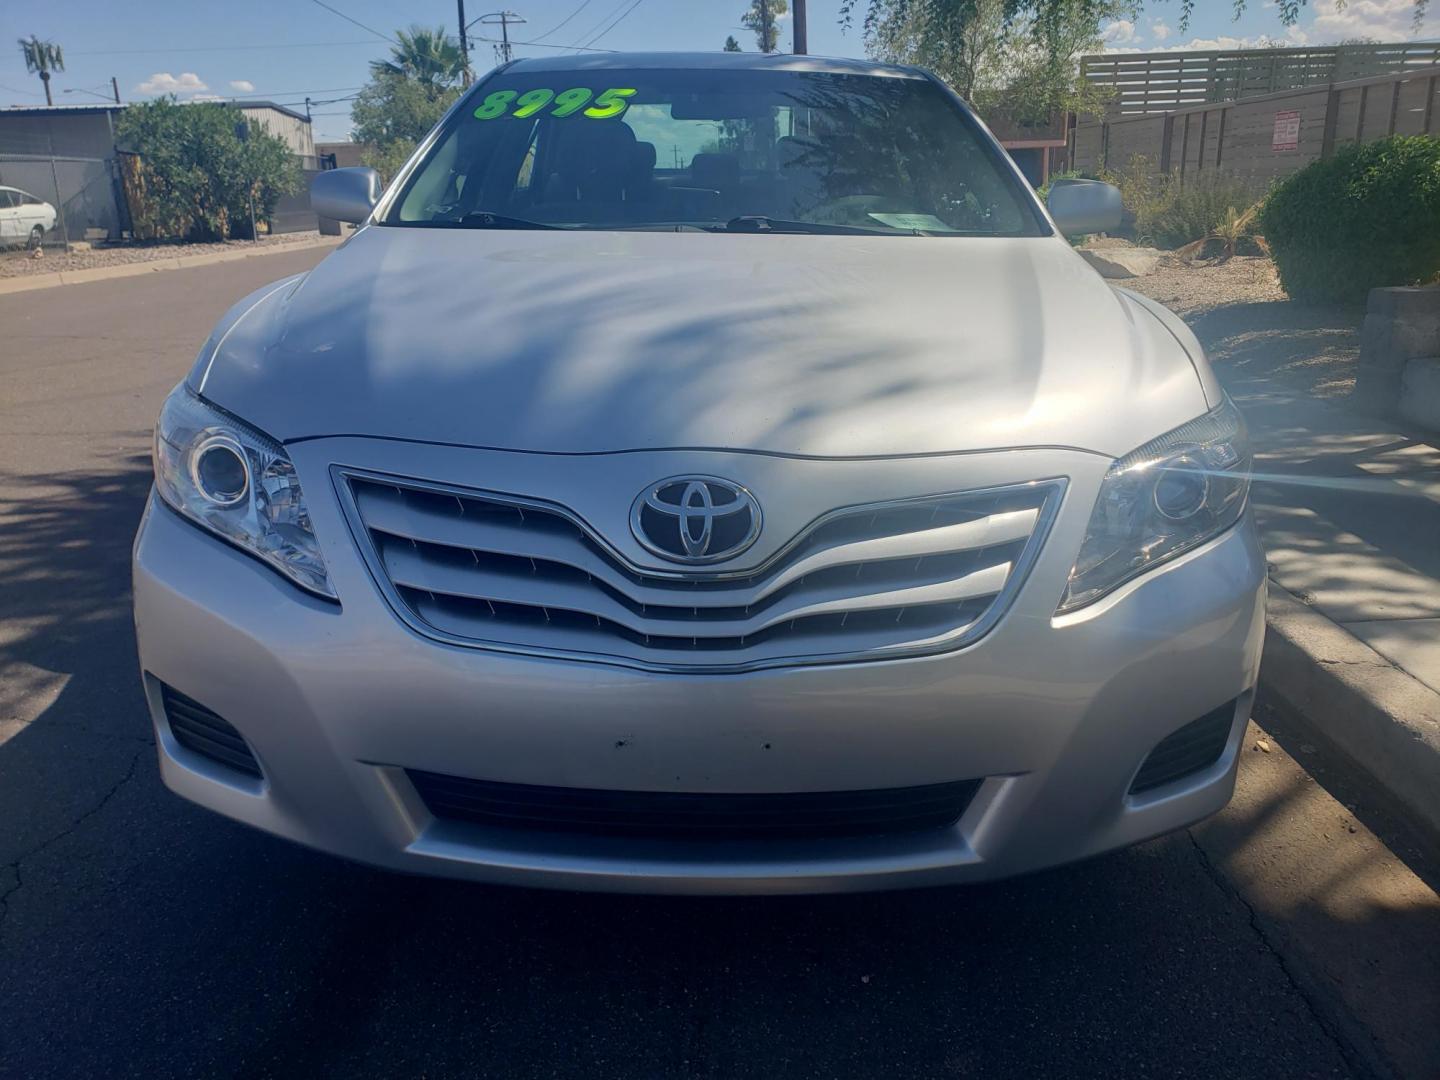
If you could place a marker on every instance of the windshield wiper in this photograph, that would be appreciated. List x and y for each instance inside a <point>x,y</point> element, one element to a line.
<point>760,223</point>
<point>484,219</point>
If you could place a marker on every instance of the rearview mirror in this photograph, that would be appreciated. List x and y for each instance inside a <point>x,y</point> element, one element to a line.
<point>1084,206</point>
<point>345,194</point>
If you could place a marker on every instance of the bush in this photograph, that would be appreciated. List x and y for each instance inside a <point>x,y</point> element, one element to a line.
<point>1367,217</point>
<point>195,176</point>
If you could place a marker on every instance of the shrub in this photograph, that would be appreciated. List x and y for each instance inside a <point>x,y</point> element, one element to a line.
<point>195,176</point>
<point>1369,216</point>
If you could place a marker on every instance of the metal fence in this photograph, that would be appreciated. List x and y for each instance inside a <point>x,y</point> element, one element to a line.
<point>293,213</point>
<point>81,190</point>
<point>64,158</point>
<point>1262,139</point>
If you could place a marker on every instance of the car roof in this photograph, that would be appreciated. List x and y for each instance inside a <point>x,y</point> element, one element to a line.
<point>713,61</point>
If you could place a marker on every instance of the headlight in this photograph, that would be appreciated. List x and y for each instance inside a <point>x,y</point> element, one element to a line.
<point>1161,500</point>
<point>239,484</point>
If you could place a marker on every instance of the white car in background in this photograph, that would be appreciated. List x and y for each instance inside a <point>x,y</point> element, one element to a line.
<point>24,219</point>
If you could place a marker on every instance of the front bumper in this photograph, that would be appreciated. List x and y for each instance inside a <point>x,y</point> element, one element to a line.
<point>1056,716</point>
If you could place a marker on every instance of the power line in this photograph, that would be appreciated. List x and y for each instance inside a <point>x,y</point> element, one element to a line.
<point>305,90</point>
<point>215,48</point>
<point>623,16</point>
<point>594,30</point>
<point>357,22</point>
<point>544,45</point>
<point>560,25</point>
<point>17,90</point>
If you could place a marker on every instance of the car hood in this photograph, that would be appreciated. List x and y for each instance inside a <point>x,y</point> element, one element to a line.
<point>590,342</point>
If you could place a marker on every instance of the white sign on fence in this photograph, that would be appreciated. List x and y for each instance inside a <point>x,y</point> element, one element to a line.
<point>1287,131</point>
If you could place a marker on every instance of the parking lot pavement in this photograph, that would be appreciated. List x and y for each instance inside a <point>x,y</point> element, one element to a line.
<point>139,936</point>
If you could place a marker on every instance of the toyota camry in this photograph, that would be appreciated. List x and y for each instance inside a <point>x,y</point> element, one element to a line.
<point>702,473</point>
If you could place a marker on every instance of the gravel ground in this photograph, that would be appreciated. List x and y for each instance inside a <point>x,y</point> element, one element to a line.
<point>1248,326</point>
<point>15,263</point>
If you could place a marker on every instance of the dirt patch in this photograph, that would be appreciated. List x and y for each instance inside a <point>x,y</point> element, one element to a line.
<point>1252,331</point>
<point>17,263</point>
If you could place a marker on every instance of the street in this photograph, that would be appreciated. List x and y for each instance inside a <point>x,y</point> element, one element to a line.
<point>1295,935</point>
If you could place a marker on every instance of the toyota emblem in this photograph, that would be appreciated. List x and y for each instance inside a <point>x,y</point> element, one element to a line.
<point>695,519</point>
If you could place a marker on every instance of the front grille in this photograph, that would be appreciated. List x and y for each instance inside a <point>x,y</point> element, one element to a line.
<point>202,732</point>
<point>687,815</point>
<point>1193,748</point>
<point>862,583</point>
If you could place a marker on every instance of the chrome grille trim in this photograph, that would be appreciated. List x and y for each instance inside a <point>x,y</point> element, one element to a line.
<point>515,574</point>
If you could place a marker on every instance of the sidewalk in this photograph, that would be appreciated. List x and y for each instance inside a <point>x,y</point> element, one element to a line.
<point>1348,505</point>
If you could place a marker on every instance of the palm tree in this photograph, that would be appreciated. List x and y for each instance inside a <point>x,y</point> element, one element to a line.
<point>430,57</point>
<point>41,58</point>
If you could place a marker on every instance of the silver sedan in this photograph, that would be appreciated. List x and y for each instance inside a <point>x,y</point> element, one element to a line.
<point>702,474</point>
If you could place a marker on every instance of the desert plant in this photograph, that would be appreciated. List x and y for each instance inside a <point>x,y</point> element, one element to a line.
<point>1235,227</point>
<point>1368,216</point>
<point>1171,211</point>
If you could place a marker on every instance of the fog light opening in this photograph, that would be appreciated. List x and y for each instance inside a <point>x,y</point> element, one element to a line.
<point>220,471</point>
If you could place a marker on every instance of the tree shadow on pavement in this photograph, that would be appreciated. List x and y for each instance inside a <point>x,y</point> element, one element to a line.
<point>72,718</point>
<point>1306,351</point>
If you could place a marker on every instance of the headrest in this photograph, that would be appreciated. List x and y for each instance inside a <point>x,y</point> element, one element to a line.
<point>715,170</point>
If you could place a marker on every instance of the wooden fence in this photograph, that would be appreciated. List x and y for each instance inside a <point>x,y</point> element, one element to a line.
<point>1143,83</point>
<point>1261,139</point>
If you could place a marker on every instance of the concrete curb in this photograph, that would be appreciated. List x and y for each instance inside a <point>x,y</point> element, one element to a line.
<point>30,282</point>
<point>1384,719</point>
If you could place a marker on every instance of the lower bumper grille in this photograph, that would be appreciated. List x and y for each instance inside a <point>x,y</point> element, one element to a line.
<point>1195,747</point>
<point>202,732</point>
<point>687,815</point>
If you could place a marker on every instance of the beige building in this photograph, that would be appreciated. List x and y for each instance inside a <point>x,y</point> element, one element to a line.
<point>283,123</point>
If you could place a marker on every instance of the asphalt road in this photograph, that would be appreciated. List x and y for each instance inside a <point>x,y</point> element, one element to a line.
<point>1295,935</point>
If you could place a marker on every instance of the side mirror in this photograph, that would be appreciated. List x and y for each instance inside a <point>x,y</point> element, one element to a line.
<point>1084,206</point>
<point>345,194</point>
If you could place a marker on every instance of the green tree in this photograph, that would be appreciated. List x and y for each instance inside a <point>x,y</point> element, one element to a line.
<point>761,19</point>
<point>196,176</point>
<point>995,56</point>
<point>392,114</point>
<point>944,15</point>
<point>41,58</point>
<point>431,58</point>
<point>731,45</point>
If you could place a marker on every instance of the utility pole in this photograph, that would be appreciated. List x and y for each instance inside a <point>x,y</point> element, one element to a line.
<point>464,42</point>
<point>502,19</point>
<point>801,44</point>
<point>115,88</point>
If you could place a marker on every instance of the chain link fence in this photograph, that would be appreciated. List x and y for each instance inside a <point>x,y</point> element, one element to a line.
<point>58,190</point>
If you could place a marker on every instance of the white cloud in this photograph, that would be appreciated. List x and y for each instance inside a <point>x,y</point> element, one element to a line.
<point>1385,20</point>
<point>1119,32</point>
<point>1159,29</point>
<point>1223,42</point>
<point>162,82</point>
<point>205,97</point>
<point>243,86</point>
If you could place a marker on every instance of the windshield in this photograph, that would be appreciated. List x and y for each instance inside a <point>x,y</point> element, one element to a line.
<point>739,150</point>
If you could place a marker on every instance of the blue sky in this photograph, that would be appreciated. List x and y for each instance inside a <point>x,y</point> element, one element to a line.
<point>284,49</point>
